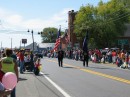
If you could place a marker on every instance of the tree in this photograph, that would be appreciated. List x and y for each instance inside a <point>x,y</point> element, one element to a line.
<point>84,20</point>
<point>49,35</point>
<point>125,2</point>
<point>104,22</point>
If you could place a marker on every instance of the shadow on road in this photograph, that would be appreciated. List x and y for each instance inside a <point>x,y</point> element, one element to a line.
<point>28,73</point>
<point>22,79</point>
<point>41,74</point>
<point>46,74</point>
<point>100,67</point>
<point>67,67</point>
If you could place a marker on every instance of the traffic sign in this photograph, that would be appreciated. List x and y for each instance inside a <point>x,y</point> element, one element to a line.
<point>123,42</point>
<point>24,41</point>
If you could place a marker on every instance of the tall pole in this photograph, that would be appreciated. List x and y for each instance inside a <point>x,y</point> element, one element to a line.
<point>20,44</point>
<point>87,40</point>
<point>33,40</point>
<point>11,43</point>
<point>1,45</point>
<point>24,45</point>
<point>60,41</point>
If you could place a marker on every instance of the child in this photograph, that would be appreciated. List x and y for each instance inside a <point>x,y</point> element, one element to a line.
<point>129,62</point>
<point>3,92</point>
<point>124,65</point>
<point>37,67</point>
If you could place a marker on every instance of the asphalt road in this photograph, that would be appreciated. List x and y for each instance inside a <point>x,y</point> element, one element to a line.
<point>74,80</point>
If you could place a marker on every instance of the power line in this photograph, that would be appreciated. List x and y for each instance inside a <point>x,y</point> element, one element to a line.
<point>120,18</point>
<point>117,11</point>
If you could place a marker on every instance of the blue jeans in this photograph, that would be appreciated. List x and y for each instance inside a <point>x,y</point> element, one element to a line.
<point>13,93</point>
<point>21,66</point>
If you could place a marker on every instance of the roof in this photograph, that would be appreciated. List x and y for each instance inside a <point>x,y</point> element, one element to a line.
<point>30,46</point>
<point>45,45</point>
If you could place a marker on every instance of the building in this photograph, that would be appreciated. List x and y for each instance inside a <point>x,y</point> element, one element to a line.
<point>124,41</point>
<point>71,34</point>
<point>45,46</point>
<point>30,46</point>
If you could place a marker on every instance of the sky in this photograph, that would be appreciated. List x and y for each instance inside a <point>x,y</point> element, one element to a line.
<point>17,16</point>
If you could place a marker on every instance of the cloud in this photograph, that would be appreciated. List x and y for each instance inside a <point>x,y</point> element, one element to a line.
<point>14,19</point>
<point>61,18</point>
<point>10,20</point>
<point>15,26</point>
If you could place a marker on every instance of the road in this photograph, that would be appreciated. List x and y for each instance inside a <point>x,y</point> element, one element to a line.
<point>74,80</point>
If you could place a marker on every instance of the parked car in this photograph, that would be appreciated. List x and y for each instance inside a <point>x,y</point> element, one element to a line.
<point>115,48</point>
<point>104,51</point>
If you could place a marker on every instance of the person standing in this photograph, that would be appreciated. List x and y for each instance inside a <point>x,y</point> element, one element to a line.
<point>85,50</point>
<point>21,60</point>
<point>85,58</point>
<point>32,61</point>
<point>60,57</point>
<point>35,58</point>
<point>9,64</point>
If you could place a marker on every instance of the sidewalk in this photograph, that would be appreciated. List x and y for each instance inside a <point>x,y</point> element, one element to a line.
<point>30,85</point>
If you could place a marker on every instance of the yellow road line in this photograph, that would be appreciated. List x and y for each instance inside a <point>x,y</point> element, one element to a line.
<point>98,73</point>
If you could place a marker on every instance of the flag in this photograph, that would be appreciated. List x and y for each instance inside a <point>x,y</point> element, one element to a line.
<point>85,43</point>
<point>57,43</point>
<point>67,38</point>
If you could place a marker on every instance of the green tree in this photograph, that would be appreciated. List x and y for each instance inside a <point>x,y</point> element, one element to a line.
<point>84,20</point>
<point>49,35</point>
<point>125,2</point>
<point>104,23</point>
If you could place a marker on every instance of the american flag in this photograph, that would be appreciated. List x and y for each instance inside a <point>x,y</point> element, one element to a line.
<point>58,40</point>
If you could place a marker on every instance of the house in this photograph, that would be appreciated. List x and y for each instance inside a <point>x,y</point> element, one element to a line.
<point>124,41</point>
<point>45,46</point>
<point>30,46</point>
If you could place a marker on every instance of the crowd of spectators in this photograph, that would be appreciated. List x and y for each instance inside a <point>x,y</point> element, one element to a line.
<point>120,58</point>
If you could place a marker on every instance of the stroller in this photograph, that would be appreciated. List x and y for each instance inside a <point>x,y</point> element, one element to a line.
<point>27,66</point>
<point>27,63</point>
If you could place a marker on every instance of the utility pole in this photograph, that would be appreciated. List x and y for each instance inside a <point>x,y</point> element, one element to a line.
<point>11,43</point>
<point>1,45</point>
<point>32,38</point>
<point>60,47</point>
<point>20,44</point>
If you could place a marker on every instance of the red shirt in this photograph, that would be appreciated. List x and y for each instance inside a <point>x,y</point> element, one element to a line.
<point>21,57</point>
<point>113,53</point>
<point>37,64</point>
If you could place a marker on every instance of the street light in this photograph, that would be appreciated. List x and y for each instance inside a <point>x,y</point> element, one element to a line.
<point>32,38</point>
<point>40,32</point>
